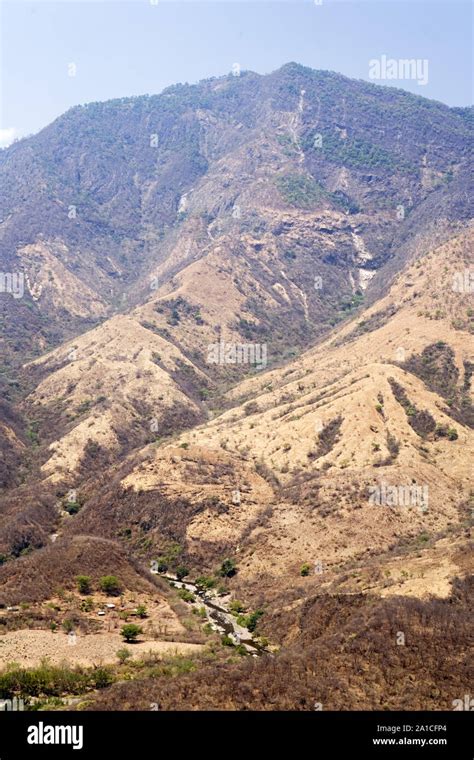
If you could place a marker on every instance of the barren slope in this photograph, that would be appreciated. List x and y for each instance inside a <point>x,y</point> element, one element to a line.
<point>344,417</point>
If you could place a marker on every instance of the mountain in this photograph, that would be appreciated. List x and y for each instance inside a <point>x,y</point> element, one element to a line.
<point>300,170</point>
<point>246,335</point>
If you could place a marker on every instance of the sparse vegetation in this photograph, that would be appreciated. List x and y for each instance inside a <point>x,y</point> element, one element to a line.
<point>94,397</point>
<point>49,680</point>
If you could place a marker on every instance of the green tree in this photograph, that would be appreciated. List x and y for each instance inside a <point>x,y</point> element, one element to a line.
<point>181,572</point>
<point>130,632</point>
<point>84,584</point>
<point>227,569</point>
<point>110,585</point>
<point>101,677</point>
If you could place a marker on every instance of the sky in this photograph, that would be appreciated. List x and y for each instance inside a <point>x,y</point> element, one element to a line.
<point>54,55</point>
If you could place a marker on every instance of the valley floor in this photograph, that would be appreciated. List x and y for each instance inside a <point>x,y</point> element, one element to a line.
<point>30,647</point>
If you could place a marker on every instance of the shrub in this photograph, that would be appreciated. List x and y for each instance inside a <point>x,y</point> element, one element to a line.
<point>123,655</point>
<point>250,621</point>
<point>444,431</point>
<point>227,569</point>
<point>84,584</point>
<point>253,619</point>
<point>110,585</point>
<point>186,595</point>
<point>130,632</point>
<point>251,408</point>
<point>181,572</point>
<point>46,679</point>
<point>305,568</point>
<point>141,611</point>
<point>72,507</point>
<point>101,677</point>
<point>204,582</point>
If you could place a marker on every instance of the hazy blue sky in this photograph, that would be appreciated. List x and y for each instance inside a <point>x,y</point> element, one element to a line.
<point>135,47</point>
